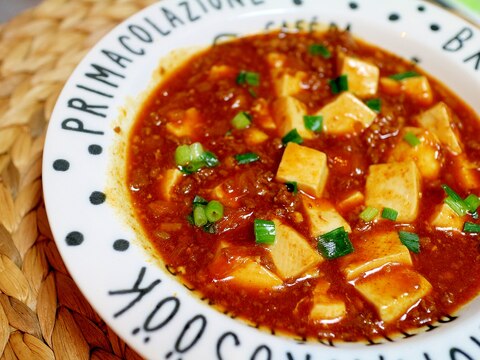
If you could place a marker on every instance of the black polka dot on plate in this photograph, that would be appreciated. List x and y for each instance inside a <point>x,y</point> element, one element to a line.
<point>298,2</point>
<point>121,245</point>
<point>61,165</point>
<point>435,27</point>
<point>97,198</point>
<point>421,8</point>
<point>394,17</point>
<point>353,5</point>
<point>75,238</point>
<point>415,59</point>
<point>95,149</point>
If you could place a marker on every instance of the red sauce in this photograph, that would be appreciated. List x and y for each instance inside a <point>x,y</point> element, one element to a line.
<point>448,260</point>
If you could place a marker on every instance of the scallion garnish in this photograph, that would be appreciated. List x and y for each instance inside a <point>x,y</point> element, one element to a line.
<point>313,122</point>
<point>192,158</point>
<point>249,78</point>
<point>264,231</point>
<point>246,158</point>
<point>454,201</point>
<point>319,49</point>
<point>374,104</point>
<point>339,84</point>
<point>292,136</point>
<point>410,240</point>
<point>242,120</point>
<point>389,214</point>
<point>199,216</point>
<point>183,155</point>
<point>205,214</point>
<point>198,200</point>
<point>473,202</point>
<point>404,75</point>
<point>471,228</point>
<point>214,211</point>
<point>369,213</point>
<point>411,139</point>
<point>335,244</point>
<point>210,159</point>
<point>292,187</point>
<point>252,92</point>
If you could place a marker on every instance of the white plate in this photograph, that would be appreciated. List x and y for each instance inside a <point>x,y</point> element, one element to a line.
<point>145,305</point>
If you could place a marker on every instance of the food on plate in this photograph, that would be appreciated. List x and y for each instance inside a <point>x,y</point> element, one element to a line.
<point>313,184</point>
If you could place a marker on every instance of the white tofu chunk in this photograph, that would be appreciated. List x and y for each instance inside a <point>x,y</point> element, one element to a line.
<point>393,291</point>
<point>346,115</point>
<point>288,85</point>
<point>323,216</point>
<point>170,179</point>
<point>395,186</point>
<point>427,154</point>
<point>438,120</point>
<point>362,76</point>
<point>288,115</point>
<point>418,89</point>
<point>375,250</point>
<point>291,253</point>
<point>187,126</point>
<point>252,275</point>
<point>445,218</point>
<point>325,307</point>
<point>352,200</point>
<point>467,173</point>
<point>305,166</point>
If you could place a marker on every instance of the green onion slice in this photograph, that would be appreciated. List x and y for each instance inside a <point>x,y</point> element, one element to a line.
<point>252,93</point>
<point>292,136</point>
<point>246,158</point>
<point>471,228</point>
<point>198,200</point>
<point>410,240</point>
<point>210,159</point>
<point>389,214</point>
<point>369,213</point>
<point>214,211</point>
<point>248,77</point>
<point>183,155</point>
<point>200,216</point>
<point>242,120</point>
<point>264,231</point>
<point>292,187</point>
<point>313,122</point>
<point>411,139</point>
<point>473,202</point>
<point>454,201</point>
<point>374,104</point>
<point>335,244</point>
<point>319,49</point>
<point>339,84</point>
<point>196,150</point>
<point>404,75</point>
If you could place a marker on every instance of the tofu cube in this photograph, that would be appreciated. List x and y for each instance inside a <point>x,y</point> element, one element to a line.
<point>325,307</point>
<point>351,201</point>
<point>291,253</point>
<point>446,219</point>
<point>374,251</point>
<point>187,126</point>
<point>288,115</point>
<point>390,86</point>
<point>426,155</point>
<point>395,186</point>
<point>362,76</point>
<point>276,60</point>
<point>323,216</point>
<point>170,179</point>
<point>393,291</point>
<point>438,120</point>
<point>467,173</point>
<point>252,275</point>
<point>305,166</point>
<point>254,136</point>
<point>346,115</point>
<point>286,84</point>
<point>418,89</point>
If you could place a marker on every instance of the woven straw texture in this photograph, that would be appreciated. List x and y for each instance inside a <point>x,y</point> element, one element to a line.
<point>42,313</point>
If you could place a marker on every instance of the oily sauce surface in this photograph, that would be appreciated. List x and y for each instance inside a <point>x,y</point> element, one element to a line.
<point>449,260</point>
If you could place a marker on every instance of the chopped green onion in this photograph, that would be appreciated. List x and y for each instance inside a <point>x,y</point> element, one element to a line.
<point>199,216</point>
<point>242,120</point>
<point>335,244</point>
<point>471,228</point>
<point>191,168</point>
<point>198,200</point>
<point>412,139</point>
<point>197,151</point>
<point>374,104</point>
<point>473,202</point>
<point>246,158</point>
<point>292,136</point>
<point>410,240</point>
<point>389,214</point>
<point>292,187</point>
<point>214,211</point>
<point>264,231</point>
<point>248,77</point>
<point>339,84</point>
<point>404,75</point>
<point>252,93</point>
<point>455,202</point>
<point>210,159</point>
<point>313,122</point>
<point>318,49</point>
<point>210,228</point>
<point>183,155</point>
<point>369,213</point>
